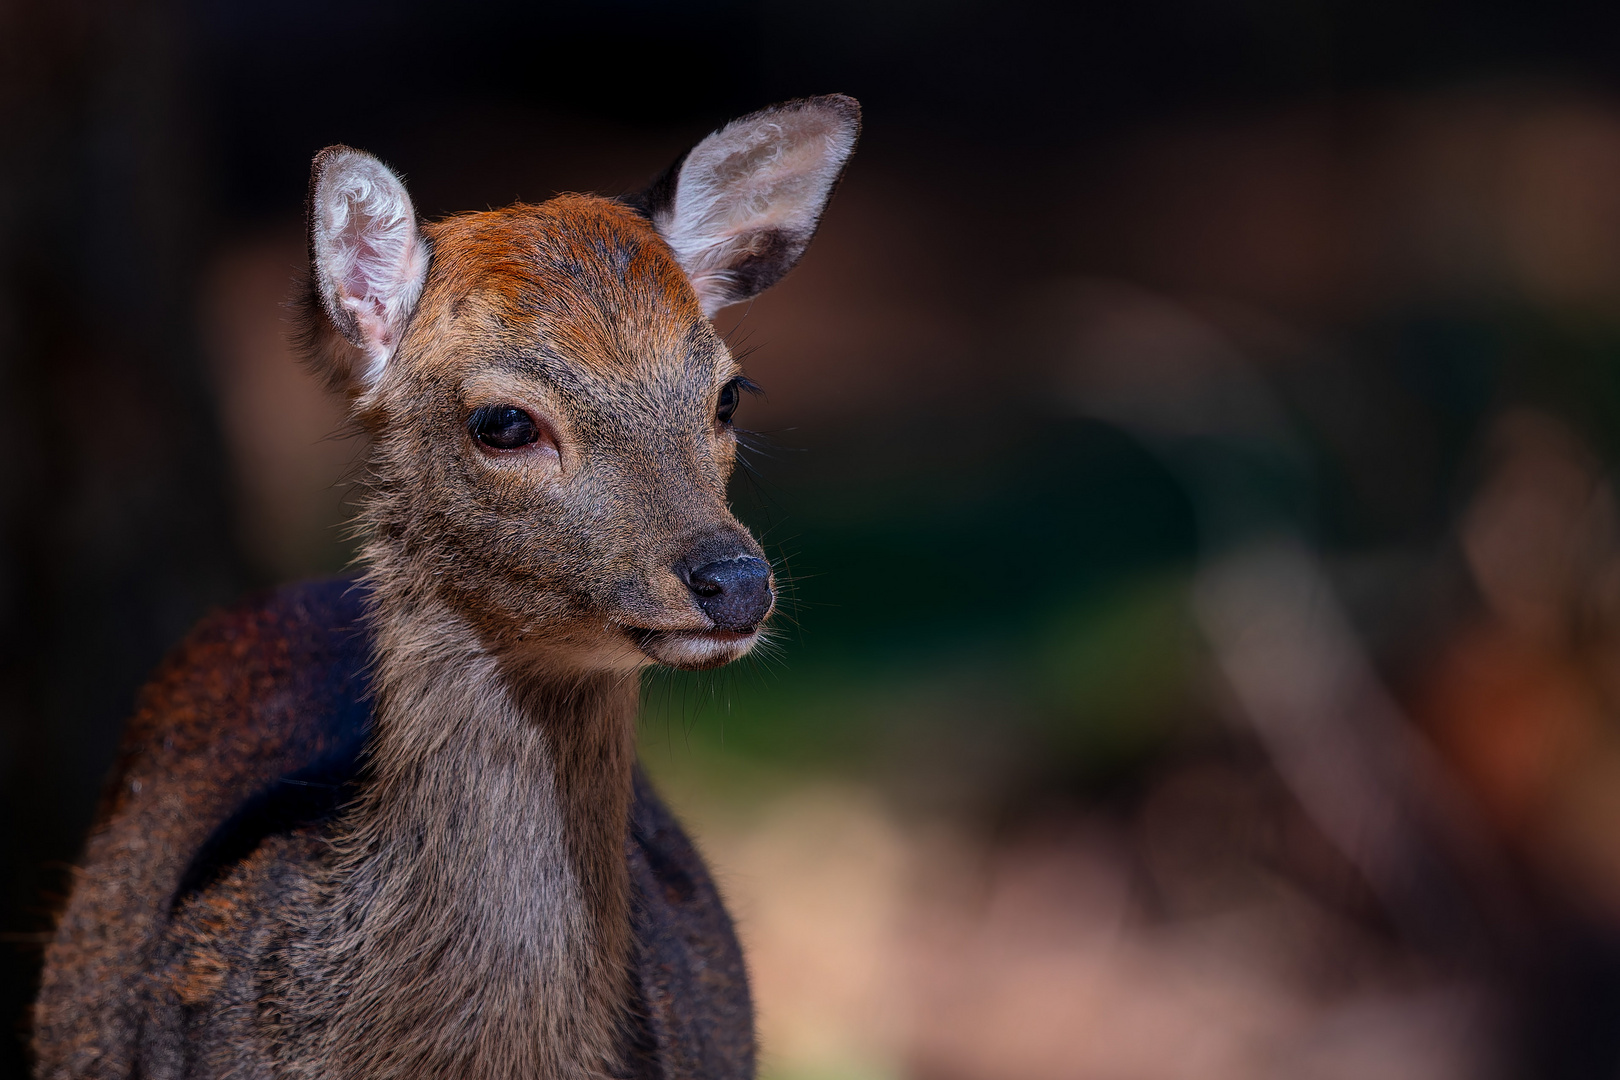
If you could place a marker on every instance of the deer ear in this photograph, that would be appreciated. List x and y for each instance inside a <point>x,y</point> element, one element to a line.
<point>741,206</point>
<point>368,261</point>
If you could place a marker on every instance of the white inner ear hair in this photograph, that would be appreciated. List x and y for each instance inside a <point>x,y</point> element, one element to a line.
<point>760,174</point>
<point>370,257</point>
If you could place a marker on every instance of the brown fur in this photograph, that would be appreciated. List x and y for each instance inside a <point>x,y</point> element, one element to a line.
<point>505,692</point>
<point>576,310</point>
<point>253,695</point>
<point>499,899</point>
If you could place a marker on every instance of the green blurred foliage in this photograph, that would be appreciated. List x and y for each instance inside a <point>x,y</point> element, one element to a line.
<point>1013,596</point>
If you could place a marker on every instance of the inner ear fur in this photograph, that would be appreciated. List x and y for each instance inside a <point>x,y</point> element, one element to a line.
<point>368,261</point>
<point>740,207</point>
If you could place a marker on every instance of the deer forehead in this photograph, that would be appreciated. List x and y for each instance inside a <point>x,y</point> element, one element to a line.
<point>579,291</point>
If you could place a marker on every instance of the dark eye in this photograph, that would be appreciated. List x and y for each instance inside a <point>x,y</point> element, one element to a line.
<point>503,427</point>
<point>727,408</point>
<point>730,394</point>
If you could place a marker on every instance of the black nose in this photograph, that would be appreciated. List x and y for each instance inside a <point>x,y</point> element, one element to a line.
<point>735,593</point>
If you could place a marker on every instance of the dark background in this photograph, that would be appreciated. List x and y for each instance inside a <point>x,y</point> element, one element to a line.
<point>951,504</point>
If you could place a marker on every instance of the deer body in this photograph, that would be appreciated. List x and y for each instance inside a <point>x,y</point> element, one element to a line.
<point>393,828</point>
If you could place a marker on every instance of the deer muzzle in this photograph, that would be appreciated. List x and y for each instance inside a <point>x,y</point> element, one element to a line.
<point>730,584</point>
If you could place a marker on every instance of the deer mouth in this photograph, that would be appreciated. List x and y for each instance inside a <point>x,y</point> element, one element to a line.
<point>695,650</point>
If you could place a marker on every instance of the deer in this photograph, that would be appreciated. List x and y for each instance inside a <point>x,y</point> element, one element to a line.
<point>393,825</point>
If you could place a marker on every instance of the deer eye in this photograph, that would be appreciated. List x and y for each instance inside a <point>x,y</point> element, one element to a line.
<point>503,427</point>
<point>730,395</point>
<point>727,407</point>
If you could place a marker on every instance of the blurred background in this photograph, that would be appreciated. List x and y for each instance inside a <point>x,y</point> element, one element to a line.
<point>1190,443</point>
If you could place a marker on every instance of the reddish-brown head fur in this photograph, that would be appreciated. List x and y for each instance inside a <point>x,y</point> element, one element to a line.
<point>570,549</point>
<point>549,404</point>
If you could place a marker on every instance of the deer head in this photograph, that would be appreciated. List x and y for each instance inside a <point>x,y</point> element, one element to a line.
<point>549,405</point>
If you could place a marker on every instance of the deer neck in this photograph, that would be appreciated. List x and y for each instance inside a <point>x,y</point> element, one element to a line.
<point>480,889</point>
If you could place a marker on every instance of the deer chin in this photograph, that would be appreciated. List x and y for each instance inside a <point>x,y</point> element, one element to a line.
<point>695,650</point>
